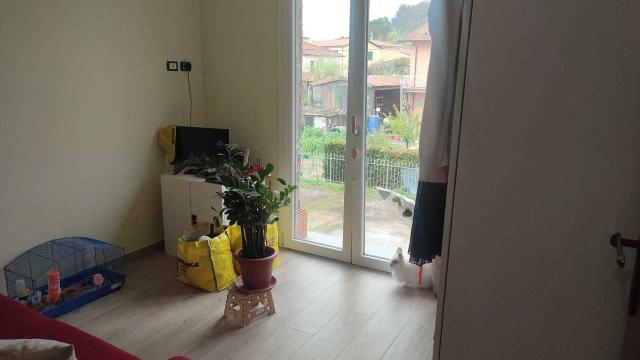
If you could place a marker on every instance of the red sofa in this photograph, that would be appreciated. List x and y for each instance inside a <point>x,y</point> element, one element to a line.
<point>19,322</point>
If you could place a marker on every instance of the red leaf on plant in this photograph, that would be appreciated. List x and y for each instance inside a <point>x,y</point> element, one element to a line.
<point>253,169</point>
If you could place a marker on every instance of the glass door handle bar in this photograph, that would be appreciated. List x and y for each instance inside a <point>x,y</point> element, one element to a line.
<point>619,243</point>
<point>354,125</point>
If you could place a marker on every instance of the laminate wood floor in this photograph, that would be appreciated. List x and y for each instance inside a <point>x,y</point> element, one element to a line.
<point>324,310</point>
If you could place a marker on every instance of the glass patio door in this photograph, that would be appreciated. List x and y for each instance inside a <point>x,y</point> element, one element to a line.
<point>318,221</point>
<point>354,151</point>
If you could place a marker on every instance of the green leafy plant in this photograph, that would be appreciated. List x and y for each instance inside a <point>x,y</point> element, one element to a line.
<point>249,200</point>
<point>378,139</point>
<point>201,166</point>
<point>324,68</point>
<point>405,124</point>
<point>384,163</point>
<point>312,140</point>
<point>398,66</point>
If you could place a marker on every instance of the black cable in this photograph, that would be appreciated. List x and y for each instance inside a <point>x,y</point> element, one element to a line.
<point>190,100</point>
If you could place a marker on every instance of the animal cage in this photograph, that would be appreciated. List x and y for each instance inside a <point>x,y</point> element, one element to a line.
<point>85,269</point>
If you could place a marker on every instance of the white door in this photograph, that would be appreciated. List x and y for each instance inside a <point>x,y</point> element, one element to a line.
<point>547,168</point>
<point>316,103</point>
<point>342,88</point>
<point>329,69</point>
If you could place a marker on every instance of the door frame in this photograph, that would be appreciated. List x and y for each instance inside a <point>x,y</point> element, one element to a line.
<point>290,15</point>
<point>356,140</point>
<point>465,32</point>
<point>286,111</point>
<point>353,234</point>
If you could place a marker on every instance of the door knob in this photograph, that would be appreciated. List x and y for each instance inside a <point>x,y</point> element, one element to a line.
<point>620,258</point>
<point>620,243</point>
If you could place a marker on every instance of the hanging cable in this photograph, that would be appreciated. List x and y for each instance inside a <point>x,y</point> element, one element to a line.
<point>190,100</point>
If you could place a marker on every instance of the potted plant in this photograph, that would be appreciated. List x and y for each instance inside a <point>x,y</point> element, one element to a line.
<point>249,200</point>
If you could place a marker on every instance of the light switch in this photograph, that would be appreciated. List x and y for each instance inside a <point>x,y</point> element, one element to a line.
<point>172,65</point>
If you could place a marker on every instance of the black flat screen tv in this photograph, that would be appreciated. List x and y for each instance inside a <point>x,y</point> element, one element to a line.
<point>198,141</point>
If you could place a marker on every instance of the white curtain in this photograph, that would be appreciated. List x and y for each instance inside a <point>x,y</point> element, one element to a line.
<point>445,21</point>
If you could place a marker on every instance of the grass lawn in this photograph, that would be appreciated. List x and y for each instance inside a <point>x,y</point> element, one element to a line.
<point>385,228</point>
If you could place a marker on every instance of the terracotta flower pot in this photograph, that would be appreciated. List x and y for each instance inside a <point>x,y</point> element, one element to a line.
<point>256,273</point>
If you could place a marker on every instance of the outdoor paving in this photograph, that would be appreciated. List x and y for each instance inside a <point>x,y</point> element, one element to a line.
<point>385,228</point>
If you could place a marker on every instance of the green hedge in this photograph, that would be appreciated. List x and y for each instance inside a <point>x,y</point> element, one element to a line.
<point>312,140</point>
<point>384,164</point>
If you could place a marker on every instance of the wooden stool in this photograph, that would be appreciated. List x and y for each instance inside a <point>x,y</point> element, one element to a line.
<point>244,306</point>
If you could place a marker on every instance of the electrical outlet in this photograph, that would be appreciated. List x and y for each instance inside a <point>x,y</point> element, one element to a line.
<point>172,65</point>
<point>185,65</point>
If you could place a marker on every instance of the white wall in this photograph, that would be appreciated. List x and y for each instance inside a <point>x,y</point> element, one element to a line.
<point>242,55</point>
<point>83,89</point>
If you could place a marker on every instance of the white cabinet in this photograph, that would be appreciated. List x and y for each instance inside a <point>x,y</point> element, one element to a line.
<point>182,197</point>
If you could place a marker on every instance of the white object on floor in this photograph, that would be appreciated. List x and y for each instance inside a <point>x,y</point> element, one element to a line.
<point>408,274</point>
<point>183,196</point>
<point>36,349</point>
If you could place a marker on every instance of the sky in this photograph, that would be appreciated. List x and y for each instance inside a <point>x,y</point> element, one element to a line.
<point>329,19</point>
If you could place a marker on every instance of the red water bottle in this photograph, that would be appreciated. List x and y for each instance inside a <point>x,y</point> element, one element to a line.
<point>54,285</point>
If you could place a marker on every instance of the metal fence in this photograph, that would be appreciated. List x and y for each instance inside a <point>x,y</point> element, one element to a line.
<point>379,172</point>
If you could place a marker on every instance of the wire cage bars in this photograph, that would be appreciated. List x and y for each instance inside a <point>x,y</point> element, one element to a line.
<point>88,269</point>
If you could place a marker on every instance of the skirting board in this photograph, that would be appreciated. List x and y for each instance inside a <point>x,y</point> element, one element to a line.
<point>137,254</point>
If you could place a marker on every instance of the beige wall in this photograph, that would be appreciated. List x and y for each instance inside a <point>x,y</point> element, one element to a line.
<point>242,56</point>
<point>419,61</point>
<point>423,49</point>
<point>83,89</point>
<point>385,54</point>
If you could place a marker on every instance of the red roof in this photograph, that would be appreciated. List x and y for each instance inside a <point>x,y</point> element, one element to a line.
<point>373,81</point>
<point>344,41</point>
<point>309,49</point>
<point>419,34</point>
<point>329,80</point>
<point>339,42</point>
<point>384,44</point>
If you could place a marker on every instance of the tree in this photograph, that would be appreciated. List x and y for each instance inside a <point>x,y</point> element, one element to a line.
<point>398,66</point>
<point>324,68</point>
<point>379,29</point>
<point>409,17</point>
<point>405,124</point>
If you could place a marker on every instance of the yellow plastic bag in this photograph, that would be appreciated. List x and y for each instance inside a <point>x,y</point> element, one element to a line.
<point>208,264</point>
<point>235,234</point>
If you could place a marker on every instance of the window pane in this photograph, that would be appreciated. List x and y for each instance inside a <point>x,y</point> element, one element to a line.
<point>399,49</point>
<point>321,120</point>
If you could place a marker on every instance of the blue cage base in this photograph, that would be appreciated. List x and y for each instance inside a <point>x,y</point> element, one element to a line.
<point>77,259</point>
<point>79,290</point>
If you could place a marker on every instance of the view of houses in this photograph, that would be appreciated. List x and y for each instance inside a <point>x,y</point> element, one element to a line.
<point>397,77</point>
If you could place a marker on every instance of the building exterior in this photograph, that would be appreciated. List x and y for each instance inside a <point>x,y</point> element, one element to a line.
<point>376,50</point>
<point>328,105</point>
<point>312,54</point>
<point>414,86</point>
<point>325,100</point>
